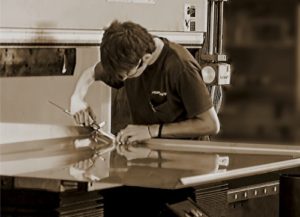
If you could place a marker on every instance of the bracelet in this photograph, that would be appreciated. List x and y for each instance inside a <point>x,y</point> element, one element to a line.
<point>159,130</point>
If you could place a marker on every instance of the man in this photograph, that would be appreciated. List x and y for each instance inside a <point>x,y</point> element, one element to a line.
<point>166,94</point>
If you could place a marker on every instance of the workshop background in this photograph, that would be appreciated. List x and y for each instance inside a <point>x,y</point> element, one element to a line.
<point>46,44</point>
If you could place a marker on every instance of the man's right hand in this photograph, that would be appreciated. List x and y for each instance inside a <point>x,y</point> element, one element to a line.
<point>81,112</point>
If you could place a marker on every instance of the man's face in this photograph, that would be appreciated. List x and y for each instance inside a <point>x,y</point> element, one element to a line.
<point>135,72</point>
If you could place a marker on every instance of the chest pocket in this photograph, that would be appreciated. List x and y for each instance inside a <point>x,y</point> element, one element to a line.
<point>157,98</point>
<point>164,109</point>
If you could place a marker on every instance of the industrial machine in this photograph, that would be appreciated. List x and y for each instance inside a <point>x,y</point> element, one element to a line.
<point>215,68</point>
<point>49,167</point>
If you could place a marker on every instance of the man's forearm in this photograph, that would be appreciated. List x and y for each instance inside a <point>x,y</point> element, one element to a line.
<point>203,124</point>
<point>187,129</point>
<point>85,81</point>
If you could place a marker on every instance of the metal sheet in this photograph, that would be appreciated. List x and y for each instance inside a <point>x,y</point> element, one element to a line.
<point>164,170</point>
<point>54,163</point>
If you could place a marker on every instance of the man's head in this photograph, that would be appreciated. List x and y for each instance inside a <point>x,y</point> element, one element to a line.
<point>123,48</point>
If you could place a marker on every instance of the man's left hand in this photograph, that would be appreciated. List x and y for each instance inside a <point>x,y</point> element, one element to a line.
<point>133,134</point>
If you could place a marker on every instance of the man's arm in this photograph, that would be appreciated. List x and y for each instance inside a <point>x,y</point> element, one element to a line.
<point>206,123</point>
<point>78,107</point>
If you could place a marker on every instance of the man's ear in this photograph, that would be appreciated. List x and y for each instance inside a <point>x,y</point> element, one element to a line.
<point>147,58</point>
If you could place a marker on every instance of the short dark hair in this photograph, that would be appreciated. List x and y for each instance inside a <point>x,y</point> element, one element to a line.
<point>123,45</point>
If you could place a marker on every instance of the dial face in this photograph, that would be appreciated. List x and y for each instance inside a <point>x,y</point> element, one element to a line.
<point>208,74</point>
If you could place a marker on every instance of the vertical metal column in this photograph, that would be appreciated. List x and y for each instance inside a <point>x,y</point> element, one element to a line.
<point>220,27</point>
<point>211,28</point>
<point>211,40</point>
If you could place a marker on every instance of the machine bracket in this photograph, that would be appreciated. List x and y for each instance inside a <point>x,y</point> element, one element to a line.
<point>253,191</point>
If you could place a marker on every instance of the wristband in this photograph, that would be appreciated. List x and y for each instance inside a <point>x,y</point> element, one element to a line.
<point>159,130</point>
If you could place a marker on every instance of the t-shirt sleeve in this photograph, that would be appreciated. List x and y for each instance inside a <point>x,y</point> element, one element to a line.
<point>101,75</point>
<point>193,91</point>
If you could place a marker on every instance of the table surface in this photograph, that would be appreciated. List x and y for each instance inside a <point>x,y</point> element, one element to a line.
<point>148,165</point>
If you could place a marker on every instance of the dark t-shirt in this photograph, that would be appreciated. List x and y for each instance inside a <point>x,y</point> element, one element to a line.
<point>169,90</point>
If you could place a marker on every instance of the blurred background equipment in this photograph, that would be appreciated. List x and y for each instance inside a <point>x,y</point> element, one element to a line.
<point>263,43</point>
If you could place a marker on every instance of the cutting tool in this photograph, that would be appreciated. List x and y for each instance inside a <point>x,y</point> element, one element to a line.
<point>61,108</point>
<point>93,125</point>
